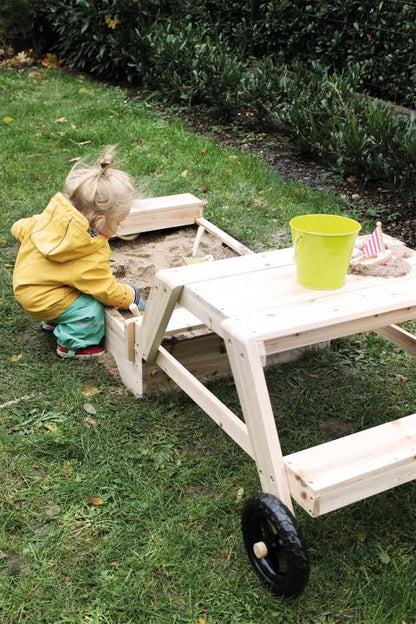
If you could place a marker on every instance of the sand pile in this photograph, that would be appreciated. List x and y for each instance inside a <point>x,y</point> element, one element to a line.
<point>139,260</point>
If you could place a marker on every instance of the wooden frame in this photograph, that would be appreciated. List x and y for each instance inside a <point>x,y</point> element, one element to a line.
<point>188,339</point>
<point>159,213</point>
<point>244,310</point>
<point>281,316</point>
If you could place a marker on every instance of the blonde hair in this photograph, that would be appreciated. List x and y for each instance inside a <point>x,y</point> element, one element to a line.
<point>101,193</point>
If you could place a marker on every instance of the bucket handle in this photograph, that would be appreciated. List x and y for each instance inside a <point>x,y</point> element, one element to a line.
<point>295,245</point>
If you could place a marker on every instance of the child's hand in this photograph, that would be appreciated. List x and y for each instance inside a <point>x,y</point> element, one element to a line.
<point>137,300</point>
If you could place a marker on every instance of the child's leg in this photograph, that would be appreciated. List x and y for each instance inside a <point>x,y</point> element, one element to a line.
<point>81,325</point>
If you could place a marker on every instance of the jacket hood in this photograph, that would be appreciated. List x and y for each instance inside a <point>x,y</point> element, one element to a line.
<point>61,232</point>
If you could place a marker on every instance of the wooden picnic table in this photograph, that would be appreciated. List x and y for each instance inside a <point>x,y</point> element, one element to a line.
<point>255,304</point>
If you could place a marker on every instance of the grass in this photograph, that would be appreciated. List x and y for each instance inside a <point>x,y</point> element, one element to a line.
<point>164,544</point>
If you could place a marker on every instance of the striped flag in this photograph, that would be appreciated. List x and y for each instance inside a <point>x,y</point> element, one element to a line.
<point>375,243</point>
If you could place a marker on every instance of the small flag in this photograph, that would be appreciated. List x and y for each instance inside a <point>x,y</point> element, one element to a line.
<point>375,243</point>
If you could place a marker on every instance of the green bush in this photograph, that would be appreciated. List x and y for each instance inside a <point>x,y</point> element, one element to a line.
<point>204,52</point>
<point>97,36</point>
<point>339,33</point>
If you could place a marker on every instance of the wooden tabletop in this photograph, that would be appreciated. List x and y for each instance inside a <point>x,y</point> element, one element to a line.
<point>259,296</point>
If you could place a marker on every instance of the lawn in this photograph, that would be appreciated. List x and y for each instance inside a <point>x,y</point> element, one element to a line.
<point>118,510</point>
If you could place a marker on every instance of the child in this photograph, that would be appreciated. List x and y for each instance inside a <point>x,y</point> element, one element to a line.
<point>62,275</point>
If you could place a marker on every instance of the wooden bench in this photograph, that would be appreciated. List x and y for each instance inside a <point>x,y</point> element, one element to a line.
<point>331,475</point>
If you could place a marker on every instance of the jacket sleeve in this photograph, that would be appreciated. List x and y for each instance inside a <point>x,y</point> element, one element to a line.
<point>21,228</point>
<point>96,279</point>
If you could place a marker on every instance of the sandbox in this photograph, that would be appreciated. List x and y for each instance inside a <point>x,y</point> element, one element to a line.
<point>160,233</point>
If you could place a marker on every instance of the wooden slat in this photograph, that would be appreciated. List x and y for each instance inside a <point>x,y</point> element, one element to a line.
<point>181,321</point>
<point>340,472</point>
<point>336,330</point>
<point>276,286</point>
<point>324,310</point>
<point>115,343</point>
<point>399,336</point>
<point>160,305</point>
<point>231,242</point>
<point>247,367</point>
<point>158,213</point>
<point>221,414</point>
<point>194,273</point>
<point>203,356</point>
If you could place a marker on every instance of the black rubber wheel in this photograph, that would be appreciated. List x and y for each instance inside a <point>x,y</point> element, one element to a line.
<point>284,569</point>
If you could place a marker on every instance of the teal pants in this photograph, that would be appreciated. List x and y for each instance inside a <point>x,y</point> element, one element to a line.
<point>81,325</point>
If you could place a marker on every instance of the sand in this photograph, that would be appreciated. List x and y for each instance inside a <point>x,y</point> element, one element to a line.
<point>396,265</point>
<point>139,260</point>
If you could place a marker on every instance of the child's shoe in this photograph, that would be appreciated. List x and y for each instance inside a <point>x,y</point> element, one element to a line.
<point>80,354</point>
<point>48,325</point>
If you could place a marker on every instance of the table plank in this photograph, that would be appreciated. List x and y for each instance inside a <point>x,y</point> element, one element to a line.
<point>324,311</point>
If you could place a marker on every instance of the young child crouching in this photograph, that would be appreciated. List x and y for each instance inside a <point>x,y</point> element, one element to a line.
<point>62,275</point>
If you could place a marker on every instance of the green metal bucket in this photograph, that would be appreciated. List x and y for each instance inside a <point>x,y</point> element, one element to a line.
<point>323,245</point>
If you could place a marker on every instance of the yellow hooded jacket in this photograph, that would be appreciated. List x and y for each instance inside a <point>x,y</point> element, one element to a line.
<point>58,260</point>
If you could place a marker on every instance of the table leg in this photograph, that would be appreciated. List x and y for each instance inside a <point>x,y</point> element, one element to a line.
<point>162,300</point>
<point>246,365</point>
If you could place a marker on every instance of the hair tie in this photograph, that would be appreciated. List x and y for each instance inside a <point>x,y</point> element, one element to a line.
<point>106,160</point>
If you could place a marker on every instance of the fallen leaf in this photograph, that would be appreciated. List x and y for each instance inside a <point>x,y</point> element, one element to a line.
<point>17,357</point>
<point>240,494</point>
<point>90,409</point>
<point>352,178</point>
<point>355,196</point>
<point>90,391</point>
<point>3,555</point>
<point>115,563</point>
<point>94,500</point>
<point>202,619</point>
<point>111,22</point>
<point>384,557</point>
<point>36,76</point>
<point>50,60</point>
<point>184,173</point>
<point>61,120</point>
<point>89,421</point>
<point>85,91</point>
<point>401,378</point>
<point>35,155</point>
<point>24,58</point>
<point>52,510</point>
<point>51,428</point>
<point>7,119</point>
